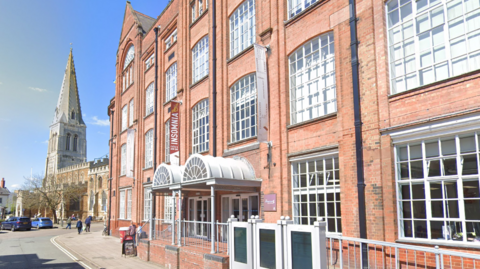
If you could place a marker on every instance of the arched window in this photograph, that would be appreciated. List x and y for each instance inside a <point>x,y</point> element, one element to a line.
<point>92,200</point>
<point>124,117</point>
<point>171,82</point>
<point>243,98</point>
<point>123,169</point>
<point>149,100</point>
<point>431,41</point>
<point>67,143</point>
<point>200,127</point>
<point>312,79</point>
<point>128,68</point>
<point>129,57</point>
<point>242,27</point>
<point>99,183</point>
<point>73,115</point>
<point>75,142</point>
<point>200,59</point>
<point>104,201</point>
<point>149,149</point>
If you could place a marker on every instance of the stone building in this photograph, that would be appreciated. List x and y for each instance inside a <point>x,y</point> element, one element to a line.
<point>378,143</point>
<point>67,154</point>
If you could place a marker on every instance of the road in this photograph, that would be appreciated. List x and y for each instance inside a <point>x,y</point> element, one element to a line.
<point>33,249</point>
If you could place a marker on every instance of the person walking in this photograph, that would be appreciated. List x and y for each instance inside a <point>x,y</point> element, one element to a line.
<point>79,225</point>
<point>87,222</point>
<point>69,223</point>
<point>131,231</point>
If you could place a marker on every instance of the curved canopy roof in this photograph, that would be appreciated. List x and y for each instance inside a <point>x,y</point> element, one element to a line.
<point>202,167</point>
<point>199,168</point>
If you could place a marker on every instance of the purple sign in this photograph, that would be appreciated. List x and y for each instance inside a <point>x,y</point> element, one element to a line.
<point>270,202</point>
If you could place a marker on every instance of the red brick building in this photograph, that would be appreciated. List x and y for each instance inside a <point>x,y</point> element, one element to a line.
<point>419,89</point>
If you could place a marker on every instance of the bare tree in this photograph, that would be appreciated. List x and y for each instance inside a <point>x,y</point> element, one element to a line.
<point>50,193</point>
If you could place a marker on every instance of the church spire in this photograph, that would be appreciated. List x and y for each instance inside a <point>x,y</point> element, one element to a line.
<point>68,106</point>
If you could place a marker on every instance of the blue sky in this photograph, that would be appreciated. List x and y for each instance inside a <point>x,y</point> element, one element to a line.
<point>35,39</point>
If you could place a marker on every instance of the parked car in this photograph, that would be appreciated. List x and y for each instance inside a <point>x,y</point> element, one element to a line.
<point>17,223</point>
<point>42,223</point>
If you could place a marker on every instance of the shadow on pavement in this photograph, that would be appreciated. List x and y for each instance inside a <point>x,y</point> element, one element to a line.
<point>32,261</point>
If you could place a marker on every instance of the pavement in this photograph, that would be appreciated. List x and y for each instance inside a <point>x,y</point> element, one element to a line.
<point>92,250</point>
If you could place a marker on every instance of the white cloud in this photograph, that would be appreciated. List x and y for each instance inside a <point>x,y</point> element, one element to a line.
<point>101,133</point>
<point>15,186</point>
<point>1,83</point>
<point>99,122</point>
<point>45,142</point>
<point>37,89</point>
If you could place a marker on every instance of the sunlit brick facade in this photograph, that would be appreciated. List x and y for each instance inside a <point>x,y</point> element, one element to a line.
<point>311,115</point>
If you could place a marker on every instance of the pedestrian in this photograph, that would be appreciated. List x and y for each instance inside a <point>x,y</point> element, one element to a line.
<point>73,216</point>
<point>69,223</point>
<point>79,226</point>
<point>132,230</point>
<point>87,222</point>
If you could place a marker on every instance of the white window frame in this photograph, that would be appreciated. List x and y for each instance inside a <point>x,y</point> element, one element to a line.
<point>439,152</point>
<point>200,127</point>
<point>150,61</point>
<point>123,169</point>
<point>149,149</point>
<point>430,43</point>
<point>131,113</point>
<point>171,82</point>
<point>312,79</point>
<point>122,204</point>
<point>171,39</point>
<point>194,17</point>
<point>147,202</point>
<point>129,203</point>
<point>149,100</point>
<point>200,59</point>
<point>124,117</point>
<point>317,172</point>
<point>167,141</point>
<point>242,27</point>
<point>168,210</point>
<point>297,6</point>
<point>243,108</point>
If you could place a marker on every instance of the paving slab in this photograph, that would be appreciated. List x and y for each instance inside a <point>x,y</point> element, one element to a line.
<point>99,251</point>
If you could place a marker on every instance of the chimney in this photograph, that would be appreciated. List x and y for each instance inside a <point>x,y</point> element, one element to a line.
<point>3,183</point>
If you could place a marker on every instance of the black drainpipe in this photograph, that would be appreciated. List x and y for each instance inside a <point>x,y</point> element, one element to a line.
<point>111,163</point>
<point>214,78</point>
<point>358,131</point>
<point>156,29</point>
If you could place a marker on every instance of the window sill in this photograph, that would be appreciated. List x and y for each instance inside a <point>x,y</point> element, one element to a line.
<point>324,117</point>
<point>148,116</point>
<point>169,101</point>
<point>199,18</point>
<point>202,152</point>
<point>128,88</point>
<point>439,243</point>
<point>240,54</point>
<point>150,67</point>
<point>147,168</point>
<point>241,141</point>
<point>303,13</point>
<point>241,149</point>
<point>173,44</point>
<point>124,175</point>
<point>198,82</point>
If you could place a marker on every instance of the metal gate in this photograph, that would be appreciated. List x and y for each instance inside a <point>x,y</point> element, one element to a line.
<point>280,245</point>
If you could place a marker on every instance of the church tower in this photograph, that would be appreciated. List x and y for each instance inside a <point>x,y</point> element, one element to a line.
<point>67,144</point>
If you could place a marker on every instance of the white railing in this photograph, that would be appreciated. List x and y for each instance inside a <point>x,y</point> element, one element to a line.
<point>196,234</point>
<point>346,252</point>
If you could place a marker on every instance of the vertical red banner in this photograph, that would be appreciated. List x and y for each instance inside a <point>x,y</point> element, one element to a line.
<point>174,133</point>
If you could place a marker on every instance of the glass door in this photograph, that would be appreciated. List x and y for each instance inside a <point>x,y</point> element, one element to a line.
<point>236,208</point>
<point>244,209</point>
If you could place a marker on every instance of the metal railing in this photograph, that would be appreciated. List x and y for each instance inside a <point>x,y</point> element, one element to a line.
<point>346,252</point>
<point>196,234</point>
